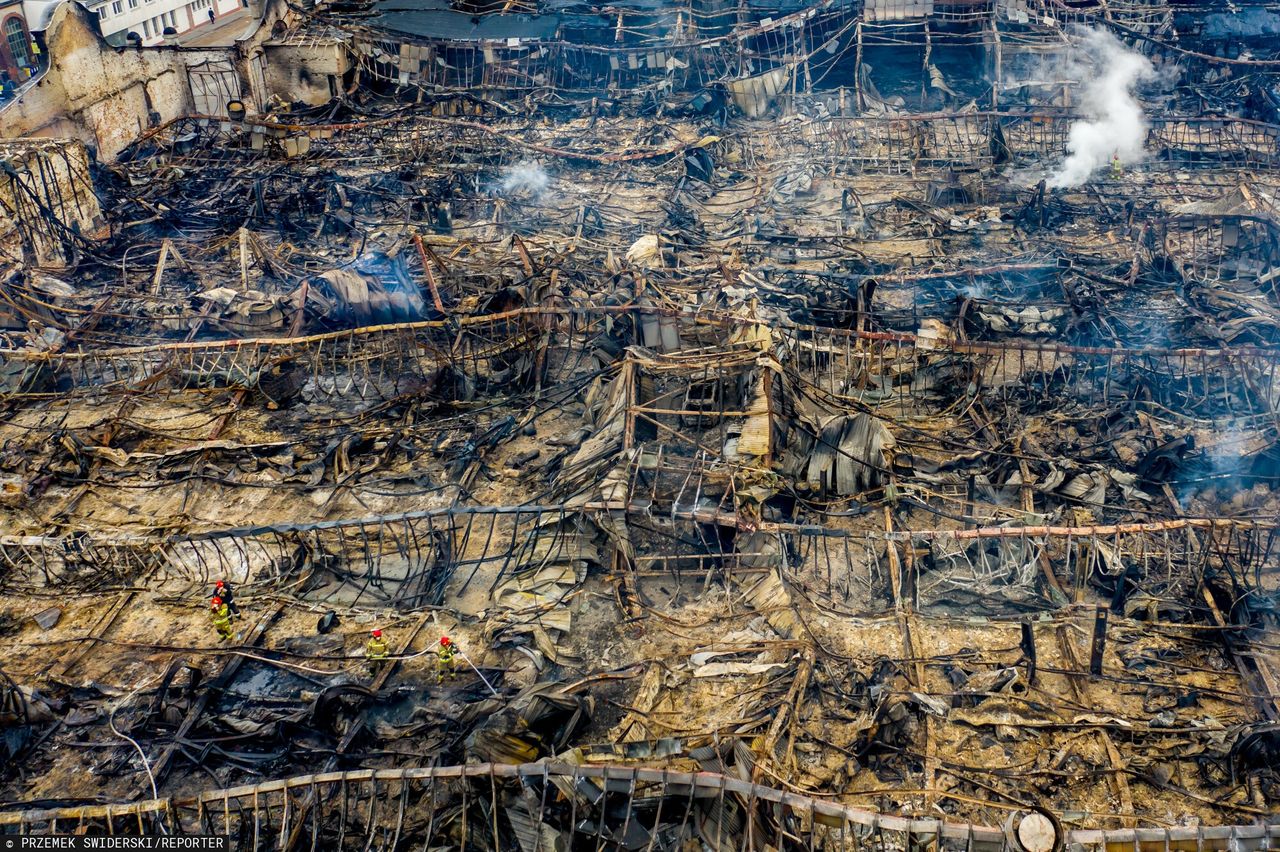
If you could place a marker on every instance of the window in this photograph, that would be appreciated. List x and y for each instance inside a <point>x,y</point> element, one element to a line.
<point>146,29</point>
<point>133,4</point>
<point>102,13</point>
<point>15,34</point>
<point>117,8</point>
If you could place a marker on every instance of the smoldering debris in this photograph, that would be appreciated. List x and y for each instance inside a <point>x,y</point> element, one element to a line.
<point>526,178</point>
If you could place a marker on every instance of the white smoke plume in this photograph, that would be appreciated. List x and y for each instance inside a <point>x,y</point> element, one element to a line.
<point>526,177</point>
<point>1114,124</point>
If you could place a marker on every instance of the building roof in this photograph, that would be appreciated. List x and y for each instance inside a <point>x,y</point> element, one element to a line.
<point>431,18</point>
<point>37,12</point>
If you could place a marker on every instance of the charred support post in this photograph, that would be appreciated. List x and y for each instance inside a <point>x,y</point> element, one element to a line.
<point>1028,645</point>
<point>996,63</point>
<point>1099,640</point>
<point>857,67</point>
<point>426,270</point>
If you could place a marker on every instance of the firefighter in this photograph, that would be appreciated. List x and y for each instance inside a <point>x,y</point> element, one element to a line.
<point>1117,170</point>
<point>221,618</point>
<point>376,651</point>
<point>222,590</point>
<point>444,659</point>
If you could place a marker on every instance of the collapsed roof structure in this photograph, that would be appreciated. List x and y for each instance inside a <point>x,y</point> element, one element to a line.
<point>820,426</point>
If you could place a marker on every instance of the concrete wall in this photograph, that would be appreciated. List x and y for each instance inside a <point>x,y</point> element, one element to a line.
<point>310,73</point>
<point>106,96</point>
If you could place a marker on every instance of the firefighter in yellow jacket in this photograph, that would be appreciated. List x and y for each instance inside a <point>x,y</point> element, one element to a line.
<point>376,650</point>
<point>445,659</point>
<point>221,618</point>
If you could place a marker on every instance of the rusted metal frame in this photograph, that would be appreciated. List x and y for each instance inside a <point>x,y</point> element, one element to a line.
<point>518,545</point>
<point>126,407</point>
<point>704,515</point>
<point>1209,839</point>
<point>73,360</point>
<point>827,537</point>
<point>707,784</point>
<point>642,415</point>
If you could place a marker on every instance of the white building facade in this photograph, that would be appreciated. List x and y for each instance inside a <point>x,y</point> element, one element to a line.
<point>157,20</point>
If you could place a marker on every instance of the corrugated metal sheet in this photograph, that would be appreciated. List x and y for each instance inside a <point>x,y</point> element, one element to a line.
<point>757,432</point>
<point>898,10</point>
<point>752,95</point>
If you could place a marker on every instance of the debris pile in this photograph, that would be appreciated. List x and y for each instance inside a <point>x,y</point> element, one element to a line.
<point>737,435</point>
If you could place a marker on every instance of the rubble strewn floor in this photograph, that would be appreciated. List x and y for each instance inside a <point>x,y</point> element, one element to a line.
<point>832,449</point>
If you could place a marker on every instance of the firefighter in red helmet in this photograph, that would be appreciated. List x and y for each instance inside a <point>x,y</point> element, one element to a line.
<point>376,650</point>
<point>222,589</point>
<point>445,659</point>
<point>221,618</point>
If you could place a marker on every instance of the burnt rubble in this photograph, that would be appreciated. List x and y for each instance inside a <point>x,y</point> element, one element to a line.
<point>796,453</point>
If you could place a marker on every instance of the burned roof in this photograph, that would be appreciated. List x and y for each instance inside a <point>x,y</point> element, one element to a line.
<point>439,21</point>
<point>853,426</point>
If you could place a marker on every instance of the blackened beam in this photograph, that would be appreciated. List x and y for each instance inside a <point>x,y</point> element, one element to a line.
<point>1099,641</point>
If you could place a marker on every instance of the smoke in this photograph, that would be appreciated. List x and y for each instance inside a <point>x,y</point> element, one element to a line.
<point>1220,466</point>
<point>1226,456</point>
<point>525,177</point>
<point>1114,124</point>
